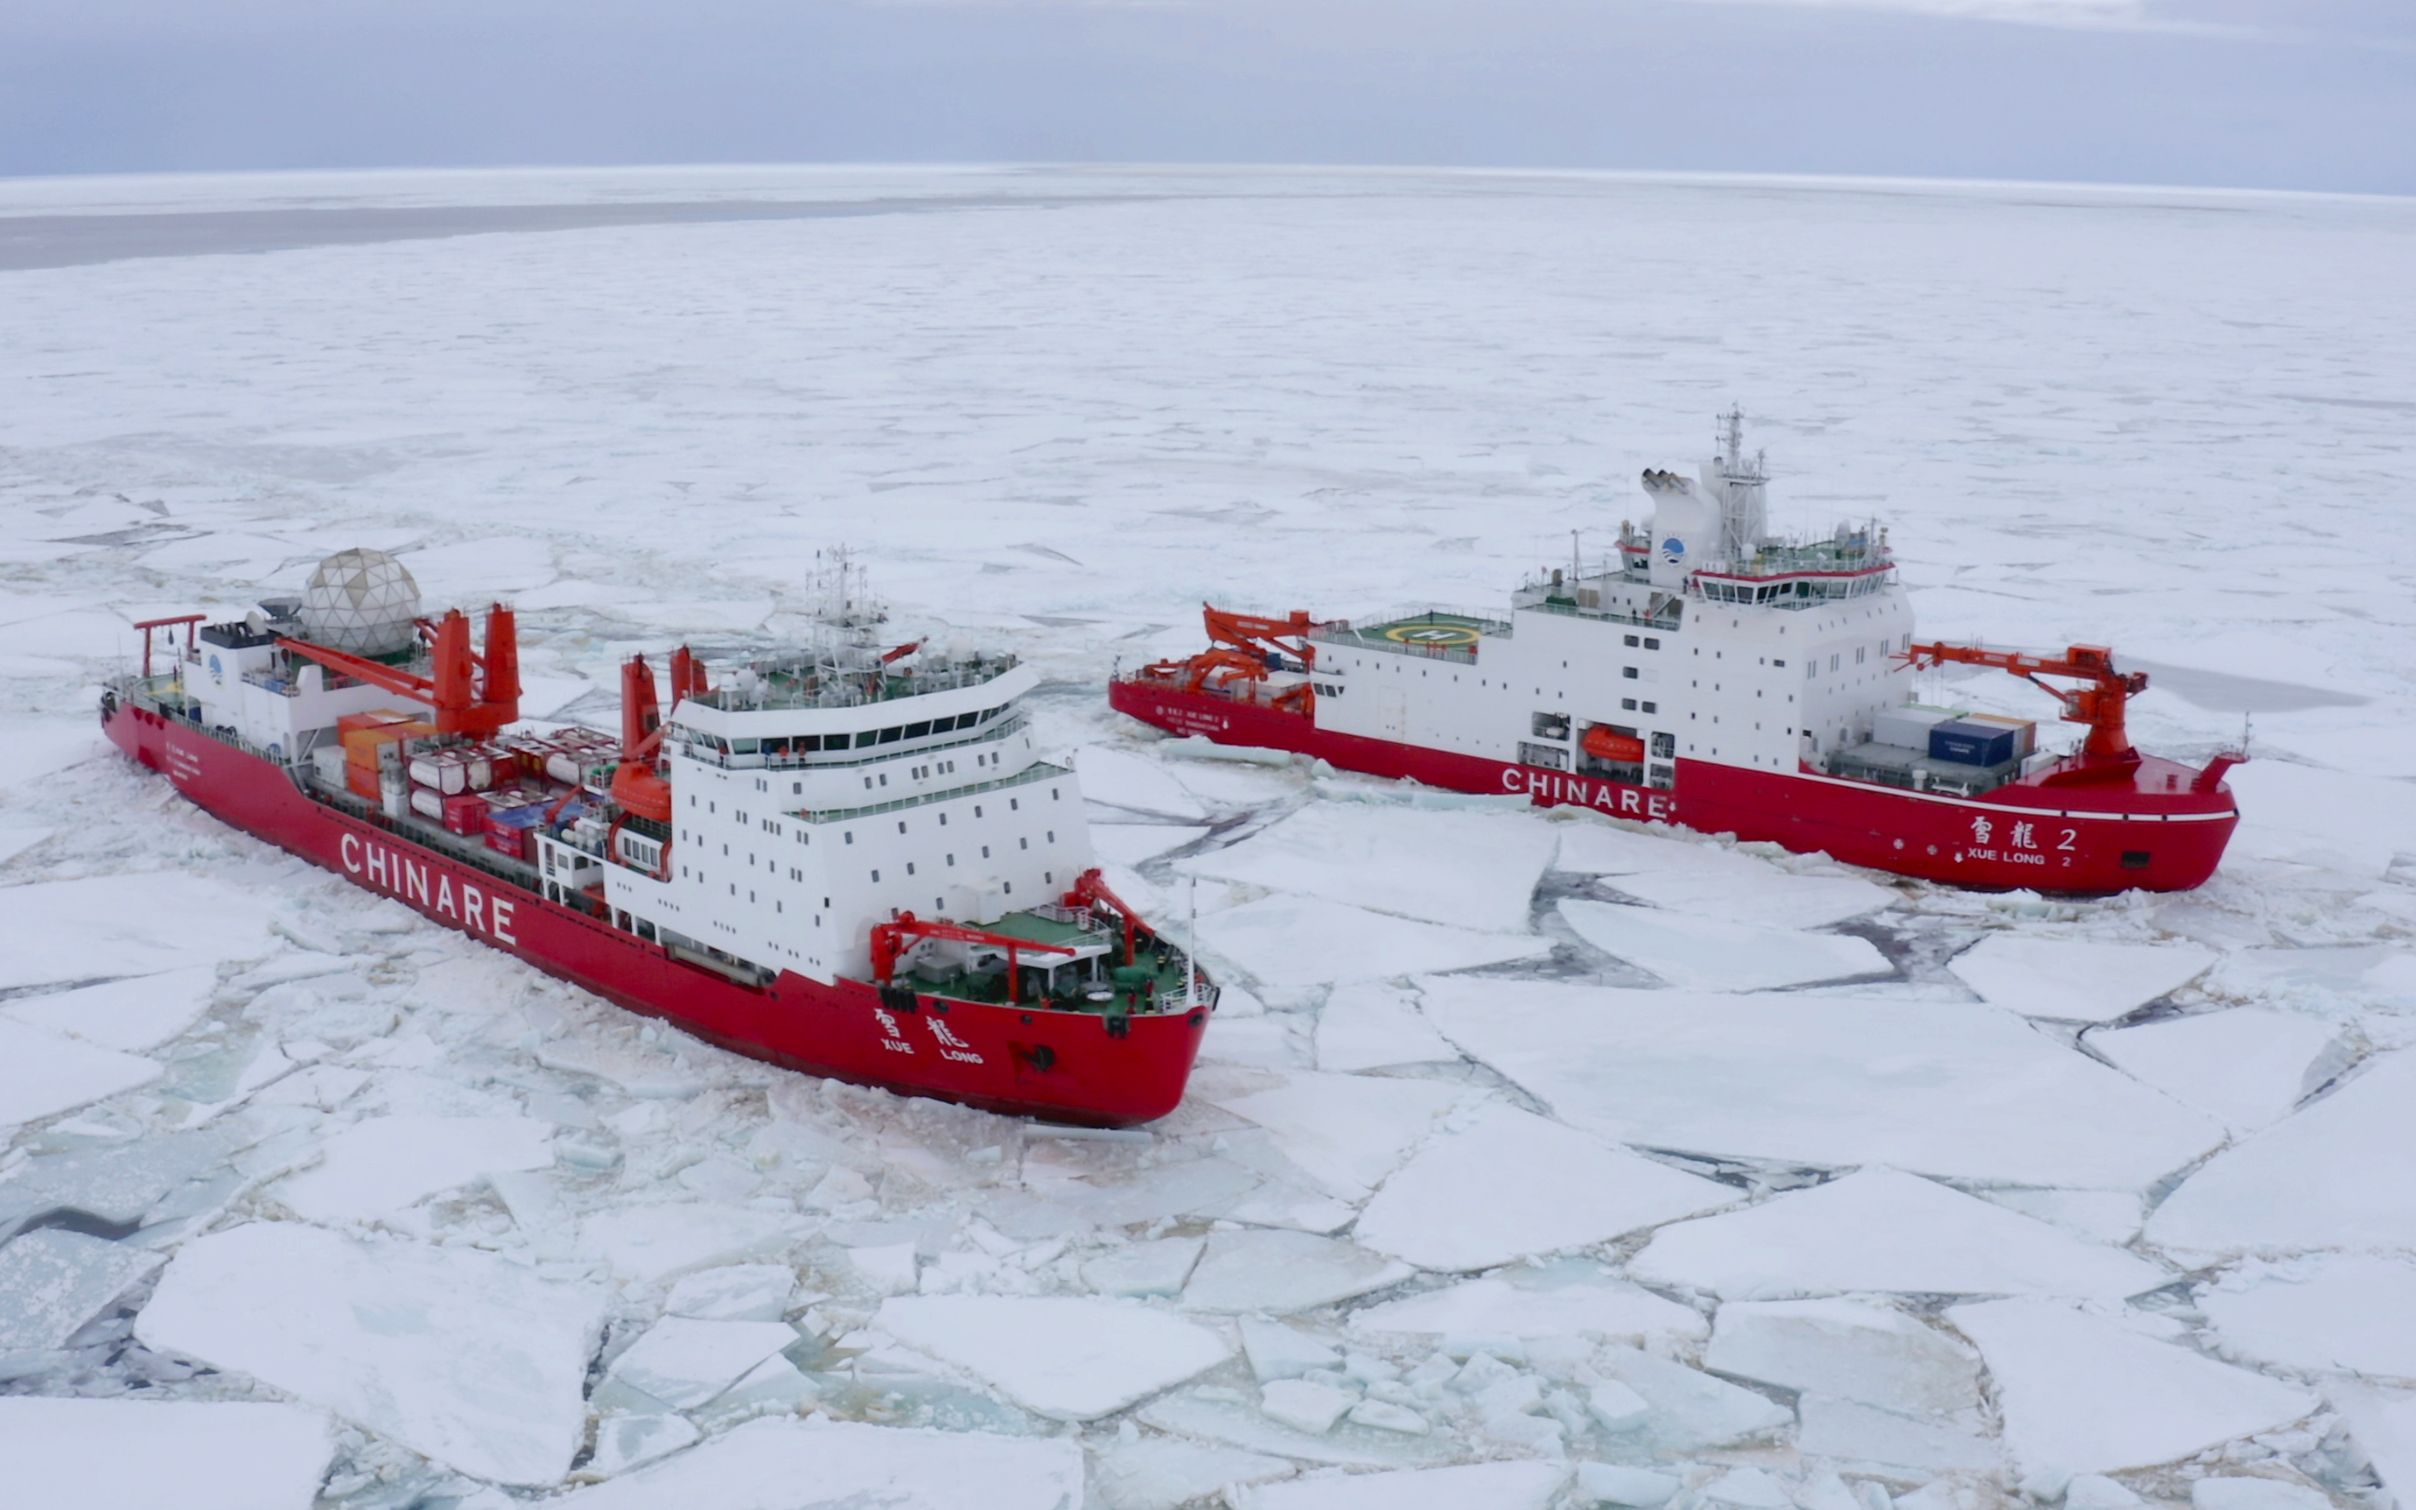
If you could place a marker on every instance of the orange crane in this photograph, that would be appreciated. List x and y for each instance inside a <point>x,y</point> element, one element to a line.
<point>636,785</point>
<point>470,693</point>
<point>1244,648</point>
<point>2098,703</point>
<point>1090,890</point>
<point>891,940</point>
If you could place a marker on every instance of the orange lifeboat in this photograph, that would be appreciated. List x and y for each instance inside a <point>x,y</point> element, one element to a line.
<point>1604,743</point>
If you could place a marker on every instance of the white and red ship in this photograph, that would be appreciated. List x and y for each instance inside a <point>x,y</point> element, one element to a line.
<point>1715,676</point>
<point>844,858</point>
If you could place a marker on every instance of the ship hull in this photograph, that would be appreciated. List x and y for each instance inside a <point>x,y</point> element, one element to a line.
<point>2142,829</point>
<point>1062,1066</point>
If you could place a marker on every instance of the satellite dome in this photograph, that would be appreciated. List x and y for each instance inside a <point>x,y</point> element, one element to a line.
<point>360,600</point>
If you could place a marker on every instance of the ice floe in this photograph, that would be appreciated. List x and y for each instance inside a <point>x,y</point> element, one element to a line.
<point>2325,1313</point>
<point>1504,1184</point>
<point>1854,1350</point>
<point>43,1073</point>
<point>1119,778</point>
<point>1164,1473</point>
<point>383,1164</point>
<point>53,1281</point>
<point>1309,941</point>
<point>2076,980</point>
<point>1154,1267</point>
<point>1497,1486</point>
<point>1347,1132</point>
<point>1132,843</point>
<point>1571,1298</point>
<point>1705,881</point>
<point>788,1464</point>
<point>1470,870</point>
<point>136,1013</point>
<point>1279,1272</point>
<point>742,1292</point>
<point>2245,1066</point>
<point>659,1240</point>
<point>142,924</point>
<point>1883,1230</point>
<point>2382,1424</point>
<point>1371,1026</point>
<point>1867,1439</point>
<point>2086,1393</point>
<point>684,1362</point>
<point>158,1454</point>
<point>2310,1180</point>
<point>1690,1409</point>
<point>458,1354</point>
<point>1976,1094</point>
<point>1068,1358</point>
<point>1714,954</point>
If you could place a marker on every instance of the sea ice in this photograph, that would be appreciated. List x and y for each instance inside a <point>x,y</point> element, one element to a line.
<point>119,1185</point>
<point>1278,1272</point>
<point>1853,1350</point>
<point>2310,1180</point>
<point>624,1442</point>
<point>2325,1313</point>
<point>1617,1484</point>
<point>2083,1393</point>
<point>1307,941</point>
<point>1713,954</point>
<point>789,1464</point>
<point>1222,1415</point>
<point>1369,1025</point>
<point>1305,1405</point>
<point>1868,1439</point>
<point>1882,1230</point>
<point>2382,1424</point>
<point>53,1281</point>
<point>1470,870</point>
<point>1705,881</point>
<point>1506,1183</point>
<point>1119,778</point>
<point>1133,843</point>
<point>161,1454</point>
<point>2076,980</point>
<point>138,924</point>
<point>659,1240</point>
<point>1691,1409</point>
<point>1070,1359</point>
<point>1822,1080</point>
<point>1573,1298</point>
<point>1164,1473</point>
<point>1276,1351</point>
<point>2256,1494</point>
<point>684,1362</point>
<point>383,1164</point>
<point>136,1013</point>
<point>43,1073</point>
<point>1348,1132</point>
<point>1157,1266</point>
<point>742,1292</point>
<point>1496,1486</point>
<point>458,1354</point>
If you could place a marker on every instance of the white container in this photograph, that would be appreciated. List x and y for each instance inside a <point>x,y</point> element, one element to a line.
<point>327,762</point>
<point>443,771</point>
<point>1908,727</point>
<point>427,803</point>
<point>481,772</point>
<point>567,769</point>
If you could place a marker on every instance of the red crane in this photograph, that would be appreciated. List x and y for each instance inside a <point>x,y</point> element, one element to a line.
<point>1244,648</point>
<point>636,784</point>
<point>891,940</point>
<point>469,693</point>
<point>2098,703</point>
<point>1090,890</point>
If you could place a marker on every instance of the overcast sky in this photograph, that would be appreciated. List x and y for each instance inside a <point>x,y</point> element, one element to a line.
<point>2316,94</point>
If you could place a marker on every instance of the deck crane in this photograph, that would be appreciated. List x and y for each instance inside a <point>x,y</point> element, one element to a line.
<point>2098,703</point>
<point>1245,648</point>
<point>470,693</point>
<point>892,939</point>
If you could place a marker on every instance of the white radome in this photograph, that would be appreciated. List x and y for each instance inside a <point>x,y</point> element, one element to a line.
<point>361,600</point>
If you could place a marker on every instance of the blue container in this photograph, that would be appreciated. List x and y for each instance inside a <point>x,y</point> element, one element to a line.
<point>1970,744</point>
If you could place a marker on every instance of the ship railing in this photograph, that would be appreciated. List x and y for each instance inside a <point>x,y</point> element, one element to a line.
<point>1037,771</point>
<point>1342,632</point>
<point>1541,601</point>
<point>846,691</point>
<point>767,760</point>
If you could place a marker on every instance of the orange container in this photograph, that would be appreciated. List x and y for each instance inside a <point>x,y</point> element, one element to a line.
<point>363,781</point>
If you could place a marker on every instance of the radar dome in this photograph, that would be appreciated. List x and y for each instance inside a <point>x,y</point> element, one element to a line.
<point>360,600</point>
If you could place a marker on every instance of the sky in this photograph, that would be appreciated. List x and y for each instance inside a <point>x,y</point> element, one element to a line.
<point>2287,94</point>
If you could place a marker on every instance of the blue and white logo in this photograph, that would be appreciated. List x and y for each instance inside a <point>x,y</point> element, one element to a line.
<point>1673,547</point>
<point>217,673</point>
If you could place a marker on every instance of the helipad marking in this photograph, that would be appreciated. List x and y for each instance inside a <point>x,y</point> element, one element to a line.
<point>1432,634</point>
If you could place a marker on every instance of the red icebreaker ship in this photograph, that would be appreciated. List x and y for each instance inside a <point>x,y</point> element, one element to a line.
<point>844,858</point>
<point>1717,677</point>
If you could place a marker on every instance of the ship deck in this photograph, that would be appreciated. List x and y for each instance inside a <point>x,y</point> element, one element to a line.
<point>1161,988</point>
<point>1418,631</point>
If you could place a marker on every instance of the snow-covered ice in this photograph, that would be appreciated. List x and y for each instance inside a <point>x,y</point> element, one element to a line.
<point>43,1073</point>
<point>1066,1358</point>
<point>789,1464</point>
<point>461,1355</point>
<point>1973,1094</point>
<point>1468,870</point>
<point>1691,1410</point>
<point>1371,1026</point>
<point>1688,875</point>
<point>141,924</point>
<point>53,1281</point>
<point>1308,941</point>
<point>1572,1298</point>
<point>1163,1473</point>
<point>1714,954</point>
<point>2086,1393</point>
<point>1279,1272</point>
<point>1867,1438</point>
<point>2076,979</point>
<point>1505,1184</point>
<point>658,1241</point>
<point>2312,1180</point>
<point>1883,1230</point>
<point>1498,1486</point>
<point>2325,1313</point>
<point>2245,1066</point>
<point>157,1454</point>
<point>1347,1132</point>
<point>684,1362</point>
<point>1854,1350</point>
<point>742,1292</point>
<point>383,1164</point>
<point>135,1013</point>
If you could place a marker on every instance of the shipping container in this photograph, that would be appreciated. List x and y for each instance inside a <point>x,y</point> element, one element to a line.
<point>427,804</point>
<point>327,761</point>
<point>1967,743</point>
<point>361,780</point>
<point>1908,727</point>
<point>466,814</point>
<point>443,770</point>
<point>2025,731</point>
<point>508,841</point>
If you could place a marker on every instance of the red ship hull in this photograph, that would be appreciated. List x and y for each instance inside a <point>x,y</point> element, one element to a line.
<point>1062,1066</point>
<point>2140,826</point>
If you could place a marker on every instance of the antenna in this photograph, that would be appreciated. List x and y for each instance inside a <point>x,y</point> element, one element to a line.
<point>1191,950</point>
